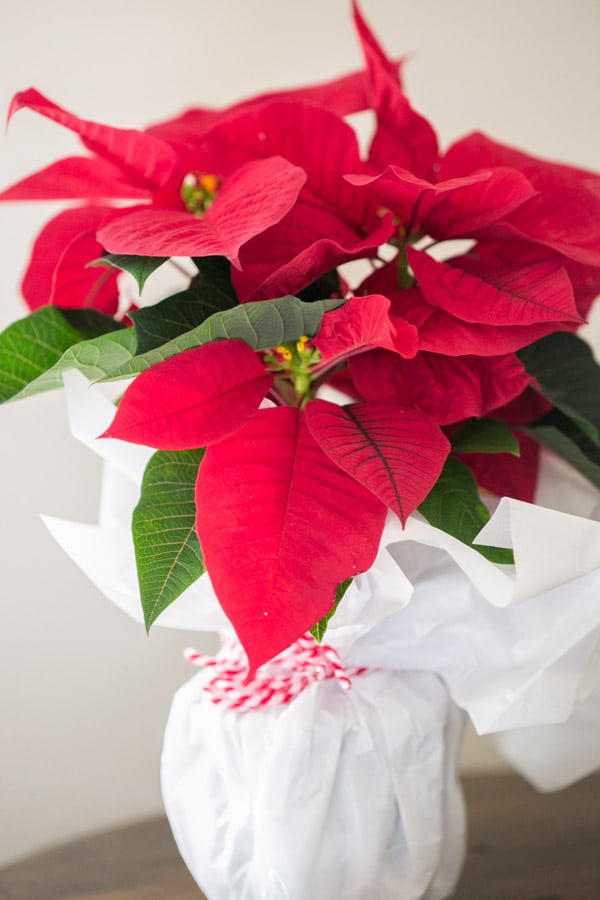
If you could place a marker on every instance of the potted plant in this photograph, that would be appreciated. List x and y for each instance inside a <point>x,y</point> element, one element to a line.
<point>325,453</point>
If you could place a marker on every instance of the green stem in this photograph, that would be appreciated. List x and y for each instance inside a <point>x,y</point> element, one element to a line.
<point>403,277</point>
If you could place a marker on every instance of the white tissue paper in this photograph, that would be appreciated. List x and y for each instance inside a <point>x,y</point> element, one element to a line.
<point>313,797</point>
<point>105,551</point>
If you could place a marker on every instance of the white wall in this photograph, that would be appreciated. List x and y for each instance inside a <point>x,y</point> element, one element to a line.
<point>83,692</point>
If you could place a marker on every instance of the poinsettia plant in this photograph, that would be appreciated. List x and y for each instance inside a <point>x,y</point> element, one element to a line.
<point>292,404</point>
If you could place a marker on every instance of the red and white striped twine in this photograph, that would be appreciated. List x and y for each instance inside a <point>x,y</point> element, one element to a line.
<point>276,682</point>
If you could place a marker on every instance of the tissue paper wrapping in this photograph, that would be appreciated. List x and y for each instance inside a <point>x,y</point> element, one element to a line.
<point>345,794</point>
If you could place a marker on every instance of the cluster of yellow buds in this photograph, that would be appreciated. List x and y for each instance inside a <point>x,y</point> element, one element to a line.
<point>295,360</point>
<point>199,191</point>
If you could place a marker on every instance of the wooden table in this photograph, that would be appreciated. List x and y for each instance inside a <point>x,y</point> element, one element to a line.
<point>523,846</point>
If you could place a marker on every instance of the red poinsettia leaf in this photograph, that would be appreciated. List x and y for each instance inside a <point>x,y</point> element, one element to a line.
<point>462,206</point>
<point>76,177</point>
<point>564,214</point>
<point>342,96</point>
<point>251,129</point>
<point>396,453</point>
<point>74,284</point>
<point>453,208</point>
<point>280,527</point>
<point>403,136</point>
<point>496,295</point>
<point>585,280</point>
<point>273,184</point>
<point>145,158</point>
<point>396,189</point>
<point>185,129</point>
<point>441,332</point>
<point>477,151</point>
<point>308,242</point>
<point>57,271</point>
<point>315,139</point>
<point>192,399</point>
<point>362,323</point>
<point>524,409</point>
<point>449,389</point>
<point>507,475</point>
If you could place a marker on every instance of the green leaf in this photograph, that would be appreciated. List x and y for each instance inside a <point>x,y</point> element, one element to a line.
<point>569,376</point>
<point>33,345</point>
<point>167,551</point>
<point>485,436</point>
<point>141,267</point>
<point>261,325</point>
<point>210,292</point>
<point>94,358</point>
<point>454,506</point>
<point>318,630</point>
<point>563,436</point>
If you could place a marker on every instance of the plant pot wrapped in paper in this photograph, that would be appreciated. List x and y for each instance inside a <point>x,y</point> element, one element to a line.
<point>336,793</point>
<point>330,450</point>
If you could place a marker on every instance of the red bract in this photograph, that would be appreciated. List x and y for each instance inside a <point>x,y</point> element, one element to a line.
<point>317,140</point>
<point>363,323</point>
<point>506,475</point>
<point>342,96</point>
<point>286,485</point>
<point>253,198</point>
<point>584,279</point>
<point>133,163</point>
<point>403,136</point>
<point>442,318</point>
<point>396,453</point>
<point>310,241</point>
<point>524,409</point>
<point>458,207</point>
<point>491,300</point>
<point>57,272</point>
<point>280,527</point>
<point>331,223</point>
<point>564,214</point>
<point>479,293</point>
<point>192,399</point>
<point>449,389</point>
<point>127,164</point>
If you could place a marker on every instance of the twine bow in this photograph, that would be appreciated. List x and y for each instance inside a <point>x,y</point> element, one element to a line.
<point>276,682</point>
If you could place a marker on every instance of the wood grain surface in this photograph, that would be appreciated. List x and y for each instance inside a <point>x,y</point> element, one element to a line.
<point>522,846</point>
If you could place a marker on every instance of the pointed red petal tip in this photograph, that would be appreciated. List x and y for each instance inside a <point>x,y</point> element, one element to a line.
<point>145,158</point>
<point>359,20</point>
<point>370,44</point>
<point>20,100</point>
